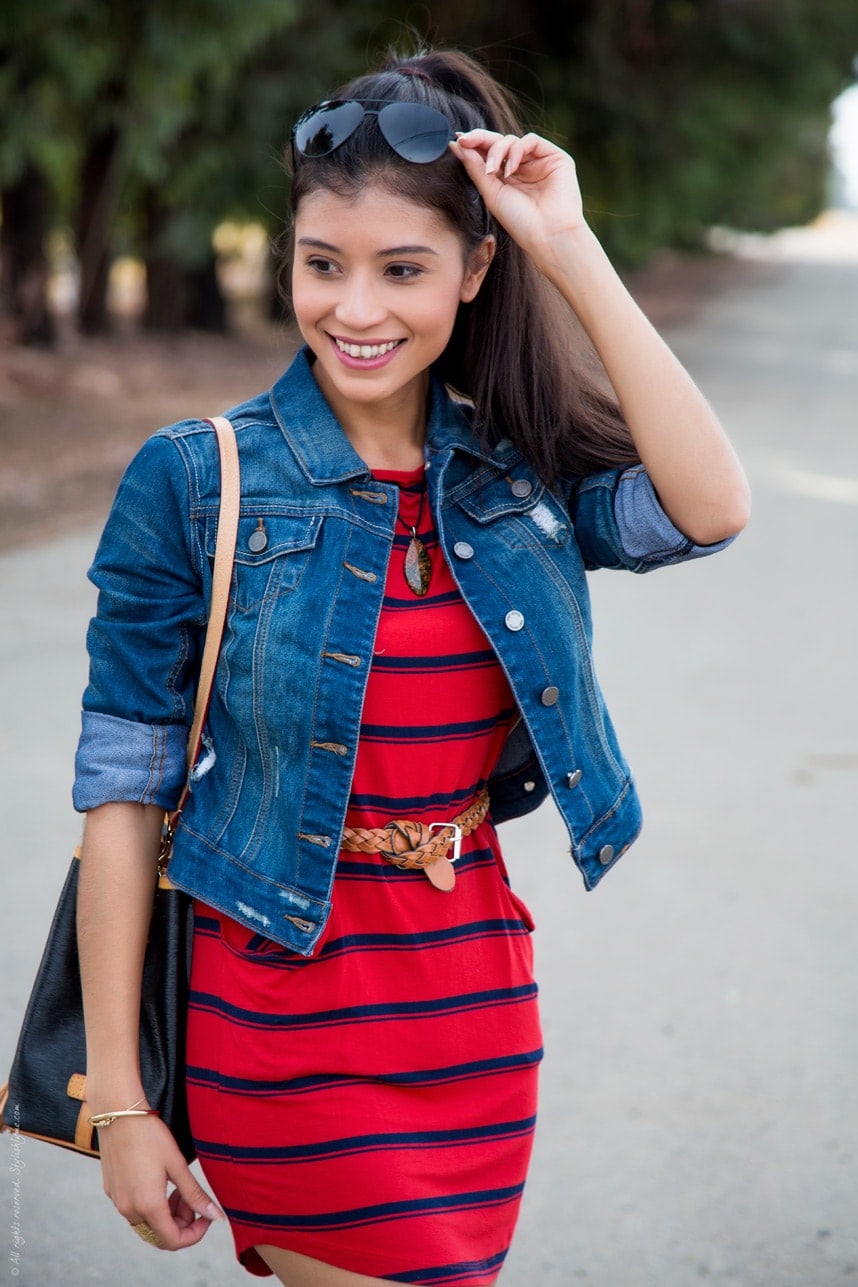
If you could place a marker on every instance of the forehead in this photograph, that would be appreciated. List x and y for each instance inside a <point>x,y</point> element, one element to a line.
<point>369,215</point>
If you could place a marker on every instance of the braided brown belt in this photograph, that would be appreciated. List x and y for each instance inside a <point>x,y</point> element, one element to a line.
<point>420,845</point>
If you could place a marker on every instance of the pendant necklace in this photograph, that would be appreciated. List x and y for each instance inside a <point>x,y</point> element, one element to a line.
<point>417,566</point>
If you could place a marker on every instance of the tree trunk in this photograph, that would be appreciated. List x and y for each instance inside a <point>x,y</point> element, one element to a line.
<point>96,209</point>
<point>177,296</point>
<point>165,279</point>
<point>24,269</point>
<point>165,294</point>
<point>206,306</point>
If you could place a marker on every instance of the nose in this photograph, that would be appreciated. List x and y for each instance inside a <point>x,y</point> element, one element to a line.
<point>359,306</point>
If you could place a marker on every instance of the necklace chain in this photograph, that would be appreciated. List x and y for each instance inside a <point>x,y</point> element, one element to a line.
<point>413,529</point>
<point>417,566</point>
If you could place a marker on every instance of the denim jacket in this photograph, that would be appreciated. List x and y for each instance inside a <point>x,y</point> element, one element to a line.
<point>260,832</point>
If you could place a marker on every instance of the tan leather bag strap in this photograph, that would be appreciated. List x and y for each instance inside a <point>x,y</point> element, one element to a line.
<point>227,528</point>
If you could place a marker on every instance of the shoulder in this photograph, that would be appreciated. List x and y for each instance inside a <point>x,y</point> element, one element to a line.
<point>187,452</point>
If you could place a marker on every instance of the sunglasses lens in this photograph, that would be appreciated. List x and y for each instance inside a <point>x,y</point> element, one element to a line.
<point>414,131</point>
<point>324,128</point>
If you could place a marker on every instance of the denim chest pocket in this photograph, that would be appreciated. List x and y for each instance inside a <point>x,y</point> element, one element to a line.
<point>521,509</point>
<point>271,553</point>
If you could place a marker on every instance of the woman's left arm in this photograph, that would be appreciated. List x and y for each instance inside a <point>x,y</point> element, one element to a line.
<point>531,188</point>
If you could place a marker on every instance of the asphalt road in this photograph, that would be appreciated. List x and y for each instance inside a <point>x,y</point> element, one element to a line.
<point>699,1118</point>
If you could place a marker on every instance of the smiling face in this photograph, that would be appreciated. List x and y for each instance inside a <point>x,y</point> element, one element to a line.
<point>376,284</point>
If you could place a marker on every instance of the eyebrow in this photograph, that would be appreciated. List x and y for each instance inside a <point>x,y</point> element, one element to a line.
<point>316,244</point>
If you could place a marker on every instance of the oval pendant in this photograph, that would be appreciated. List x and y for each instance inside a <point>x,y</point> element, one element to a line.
<point>417,567</point>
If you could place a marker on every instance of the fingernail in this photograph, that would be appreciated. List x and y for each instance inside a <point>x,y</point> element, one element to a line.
<point>491,165</point>
<point>213,1213</point>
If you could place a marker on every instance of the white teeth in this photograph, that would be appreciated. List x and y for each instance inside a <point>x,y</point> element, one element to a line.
<point>365,350</point>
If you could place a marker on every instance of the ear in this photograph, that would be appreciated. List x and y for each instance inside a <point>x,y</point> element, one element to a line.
<point>476,267</point>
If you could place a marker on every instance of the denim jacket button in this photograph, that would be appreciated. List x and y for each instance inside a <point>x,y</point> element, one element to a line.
<point>257,540</point>
<point>550,696</point>
<point>463,550</point>
<point>514,620</point>
<point>521,488</point>
<point>573,778</point>
<point>606,853</point>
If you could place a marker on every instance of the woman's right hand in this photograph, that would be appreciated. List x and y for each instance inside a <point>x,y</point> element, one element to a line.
<point>139,1157</point>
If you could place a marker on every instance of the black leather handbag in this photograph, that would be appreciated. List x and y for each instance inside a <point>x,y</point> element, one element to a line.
<point>45,1097</point>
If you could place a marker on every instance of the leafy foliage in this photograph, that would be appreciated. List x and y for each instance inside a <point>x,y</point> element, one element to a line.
<point>681,113</point>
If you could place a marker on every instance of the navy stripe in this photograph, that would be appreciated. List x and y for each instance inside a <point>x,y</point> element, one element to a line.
<point>454,1275</point>
<point>206,924</point>
<point>419,942</point>
<point>271,954</point>
<point>442,1076</point>
<point>381,1142</point>
<point>380,1212</point>
<point>393,1011</point>
<point>350,865</point>
<point>394,805</point>
<point>402,540</point>
<point>351,868</point>
<point>445,661</point>
<point>433,600</point>
<point>433,732</point>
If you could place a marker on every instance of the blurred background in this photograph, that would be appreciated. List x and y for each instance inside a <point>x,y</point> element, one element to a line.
<point>142,189</point>
<point>141,145</point>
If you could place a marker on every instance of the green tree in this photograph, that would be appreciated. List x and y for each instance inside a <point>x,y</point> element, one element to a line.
<point>35,158</point>
<point>96,96</point>
<point>142,125</point>
<point>681,114</point>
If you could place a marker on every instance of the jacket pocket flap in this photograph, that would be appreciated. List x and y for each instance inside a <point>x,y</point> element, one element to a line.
<point>262,537</point>
<point>516,494</point>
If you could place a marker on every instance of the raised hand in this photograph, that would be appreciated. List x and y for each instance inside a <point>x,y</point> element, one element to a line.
<point>528,184</point>
<point>531,188</point>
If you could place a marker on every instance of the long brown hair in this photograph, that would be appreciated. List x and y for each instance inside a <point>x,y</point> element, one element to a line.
<point>517,351</point>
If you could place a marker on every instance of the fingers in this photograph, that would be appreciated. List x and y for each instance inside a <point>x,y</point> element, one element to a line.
<point>174,1223</point>
<point>503,155</point>
<point>184,1218</point>
<point>136,1180</point>
<point>191,1199</point>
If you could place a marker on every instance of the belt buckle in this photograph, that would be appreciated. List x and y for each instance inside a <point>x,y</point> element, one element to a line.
<point>457,837</point>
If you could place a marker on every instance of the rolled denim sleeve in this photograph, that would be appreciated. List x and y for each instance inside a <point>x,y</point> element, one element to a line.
<point>620,523</point>
<point>120,759</point>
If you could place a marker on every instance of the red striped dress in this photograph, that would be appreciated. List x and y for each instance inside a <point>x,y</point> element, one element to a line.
<point>373,1106</point>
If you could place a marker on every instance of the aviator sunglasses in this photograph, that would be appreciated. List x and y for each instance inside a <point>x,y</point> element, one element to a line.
<point>414,131</point>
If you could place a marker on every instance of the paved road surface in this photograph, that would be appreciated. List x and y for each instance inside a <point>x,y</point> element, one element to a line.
<point>700,1098</point>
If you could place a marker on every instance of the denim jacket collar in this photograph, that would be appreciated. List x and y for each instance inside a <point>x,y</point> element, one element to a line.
<point>323,450</point>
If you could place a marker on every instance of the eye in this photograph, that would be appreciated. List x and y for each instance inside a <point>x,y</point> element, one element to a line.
<point>404,272</point>
<point>324,267</point>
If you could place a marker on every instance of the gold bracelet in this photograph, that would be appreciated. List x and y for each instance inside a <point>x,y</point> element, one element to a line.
<point>104,1119</point>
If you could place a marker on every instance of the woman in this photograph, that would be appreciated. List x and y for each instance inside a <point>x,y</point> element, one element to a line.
<point>406,663</point>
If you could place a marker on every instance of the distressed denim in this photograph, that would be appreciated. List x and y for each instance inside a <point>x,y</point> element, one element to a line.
<point>260,833</point>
